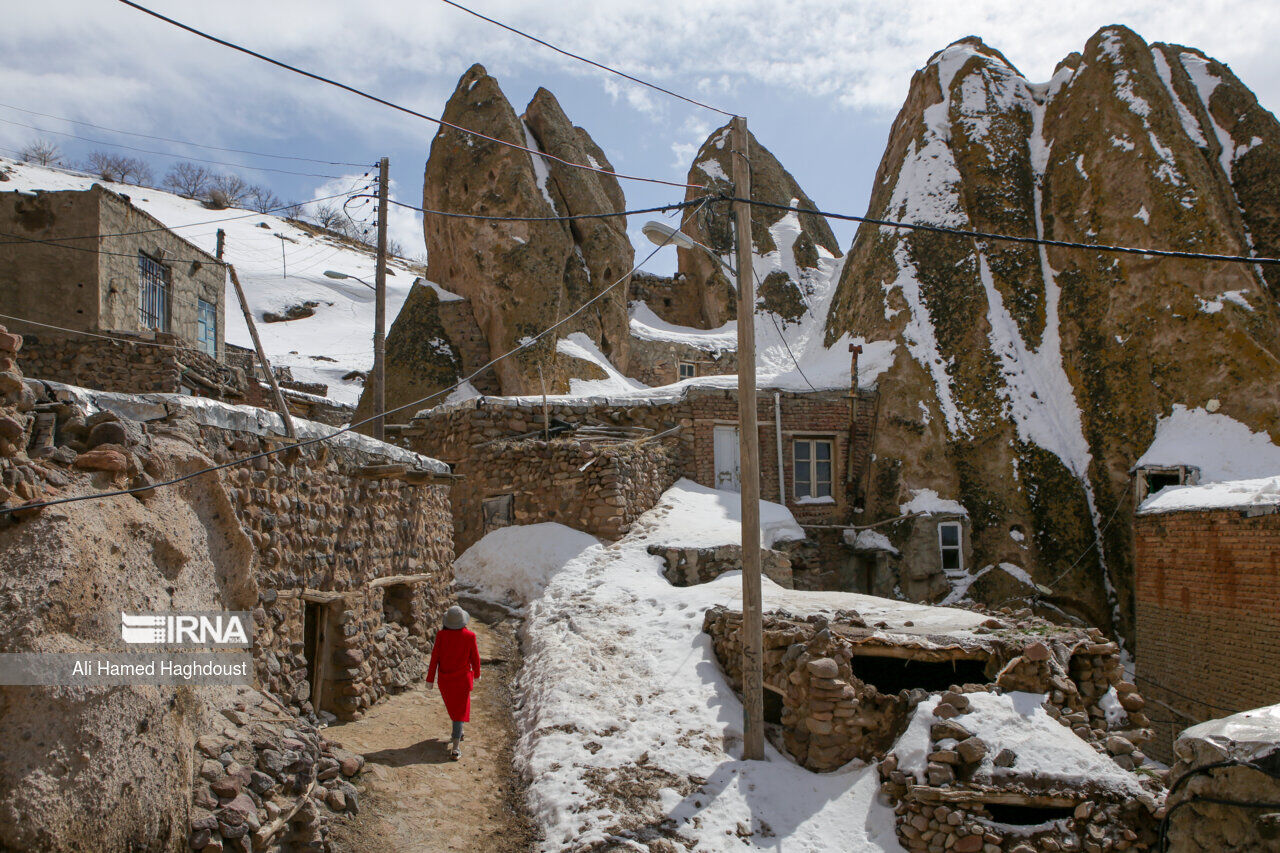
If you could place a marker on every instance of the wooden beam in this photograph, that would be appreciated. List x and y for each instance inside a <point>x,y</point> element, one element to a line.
<point>926,794</point>
<point>385,471</point>
<point>262,356</point>
<point>392,580</point>
<point>322,597</point>
<point>871,647</point>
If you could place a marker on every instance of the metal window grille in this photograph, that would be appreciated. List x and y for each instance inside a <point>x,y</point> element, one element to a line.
<point>207,327</point>
<point>153,286</point>
<point>811,467</point>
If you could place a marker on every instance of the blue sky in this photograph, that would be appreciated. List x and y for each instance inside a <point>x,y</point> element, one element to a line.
<point>819,80</point>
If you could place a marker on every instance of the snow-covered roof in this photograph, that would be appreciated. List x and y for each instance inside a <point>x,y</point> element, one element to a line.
<point>928,501</point>
<point>1237,494</point>
<point>1047,751</point>
<point>648,326</point>
<point>1219,445</point>
<point>215,413</point>
<point>1243,736</point>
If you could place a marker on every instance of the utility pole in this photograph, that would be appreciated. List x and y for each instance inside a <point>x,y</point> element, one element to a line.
<point>749,446</point>
<point>380,310</point>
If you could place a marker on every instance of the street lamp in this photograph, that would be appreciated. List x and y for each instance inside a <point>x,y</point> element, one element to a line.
<point>749,437</point>
<point>336,274</point>
<point>379,357</point>
<point>663,235</point>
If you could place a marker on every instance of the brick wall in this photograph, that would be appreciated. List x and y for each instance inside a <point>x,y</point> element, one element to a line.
<point>1208,616</point>
<point>657,363</point>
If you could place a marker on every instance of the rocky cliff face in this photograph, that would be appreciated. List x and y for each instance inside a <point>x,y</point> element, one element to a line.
<point>521,277</point>
<point>789,274</point>
<point>1030,380</point>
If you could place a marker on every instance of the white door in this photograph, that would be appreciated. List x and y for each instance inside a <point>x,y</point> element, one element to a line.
<point>726,458</point>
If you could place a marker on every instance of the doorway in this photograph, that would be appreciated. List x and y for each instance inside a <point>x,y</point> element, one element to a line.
<point>315,648</point>
<point>727,458</point>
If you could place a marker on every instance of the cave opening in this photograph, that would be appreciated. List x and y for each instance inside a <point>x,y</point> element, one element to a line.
<point>1027,815</point>
<point>890,674</point>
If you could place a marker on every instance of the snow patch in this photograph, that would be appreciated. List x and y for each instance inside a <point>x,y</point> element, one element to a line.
<point>486,568</point>
<point>1219,445</point>
<point>928,501</point>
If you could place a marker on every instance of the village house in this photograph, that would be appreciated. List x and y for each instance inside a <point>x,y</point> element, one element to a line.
<point>1208,578</point>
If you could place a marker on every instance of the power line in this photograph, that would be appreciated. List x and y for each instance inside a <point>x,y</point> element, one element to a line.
<point>300,444</point>
<point>393,105</point>
<point>662,209</point>
<point>592,62</point>
<point>94,334</point>
<point>1008,238</point>
<point>166,154</point>
<point>183,141</point>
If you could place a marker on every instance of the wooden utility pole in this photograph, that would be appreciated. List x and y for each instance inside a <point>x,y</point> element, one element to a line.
<point>749,466</point>
<point>380,311</point>
<point>281,406</point>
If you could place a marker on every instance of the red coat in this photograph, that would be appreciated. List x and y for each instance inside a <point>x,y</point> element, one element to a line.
<point>457,657</point>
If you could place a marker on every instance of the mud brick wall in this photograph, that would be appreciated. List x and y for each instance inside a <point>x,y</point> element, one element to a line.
<point>129,367</point>
<point>319,526</point>
<point>1207,616</point>
<point>600,489</point>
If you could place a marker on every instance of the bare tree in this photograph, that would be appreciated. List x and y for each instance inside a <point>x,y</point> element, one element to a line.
<point>262,199</point>
<point>227,191</point>
<point>395,248</point>
<point>42,152</point>
<point>188,179</point>
<point>293,211</point>
<point>328,216</point>
<point>118,168</point>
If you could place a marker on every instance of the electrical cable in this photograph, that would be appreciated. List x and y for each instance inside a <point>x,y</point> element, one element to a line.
<point>1008,238</point>
<point>663,209</point>
<point>95,334</point>
<point>1184,696</point>
<point>528,342</point>
<point>166,154</point>
<point>394,105</point>
<point>183,141</point>
<point>602,67</point>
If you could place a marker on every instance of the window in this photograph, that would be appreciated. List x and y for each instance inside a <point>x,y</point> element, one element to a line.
<point>950,545</point>
<point>687,370</point>
<point>811,463</point>
<point>153,286</point>
<point>207,327</point>
<point>496,512</point>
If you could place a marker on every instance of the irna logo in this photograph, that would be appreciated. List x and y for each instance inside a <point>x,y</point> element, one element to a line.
<point>186,629</point>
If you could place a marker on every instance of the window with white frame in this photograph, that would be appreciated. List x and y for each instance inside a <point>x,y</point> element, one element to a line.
<point>811,467</point>
<point>153,293</point>
<point>207,327</point>
<point>687,370</point>
<point>950,547</point>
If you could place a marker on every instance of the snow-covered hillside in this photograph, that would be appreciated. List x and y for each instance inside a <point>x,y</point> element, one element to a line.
<point>280,265</point>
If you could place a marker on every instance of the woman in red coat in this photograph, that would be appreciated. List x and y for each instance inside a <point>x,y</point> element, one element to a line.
<point>457,657</point>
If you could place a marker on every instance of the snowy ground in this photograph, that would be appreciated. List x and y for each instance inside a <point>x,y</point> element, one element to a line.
<point>628,728</point>
<point>280,265</point>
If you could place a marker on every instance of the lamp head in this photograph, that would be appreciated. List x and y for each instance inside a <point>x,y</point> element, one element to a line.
<point>663,235</point>
<point>336,274</point>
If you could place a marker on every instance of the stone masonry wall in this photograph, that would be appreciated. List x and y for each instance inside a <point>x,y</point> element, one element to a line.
<point>597,488</point>
<point>131,368</point>
<point>657,363</point>
<point>1206,581</point>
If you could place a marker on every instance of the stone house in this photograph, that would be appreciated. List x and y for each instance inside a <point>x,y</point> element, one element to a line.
<point>655,440</point>
<point>90,261</point>
<point>1208,578</point>
<point>990,734</point>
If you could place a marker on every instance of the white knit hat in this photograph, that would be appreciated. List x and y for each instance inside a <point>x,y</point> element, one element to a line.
<point>456,618</point>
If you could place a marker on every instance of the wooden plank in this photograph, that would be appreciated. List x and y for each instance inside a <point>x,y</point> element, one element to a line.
<point>322,597</point>
<point>392,580</point>
<point>961,796</point>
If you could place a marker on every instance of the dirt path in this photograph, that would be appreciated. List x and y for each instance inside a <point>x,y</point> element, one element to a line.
<point>414,797</point>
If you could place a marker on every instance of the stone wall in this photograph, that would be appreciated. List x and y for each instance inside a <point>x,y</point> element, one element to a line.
<point>355,531</point>
<point>1223,766</point>
<point>687,566</point>
<point>132,365</point>
<point>598,488</point>
<point>657,363</point>
<point>1207,580</point>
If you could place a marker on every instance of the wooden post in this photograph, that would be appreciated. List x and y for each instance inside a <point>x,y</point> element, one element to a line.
<point>546,412</point>
<point>380,311</point>
<point>749,448</point>
<point>281,407</point>
<point>222,242</point>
